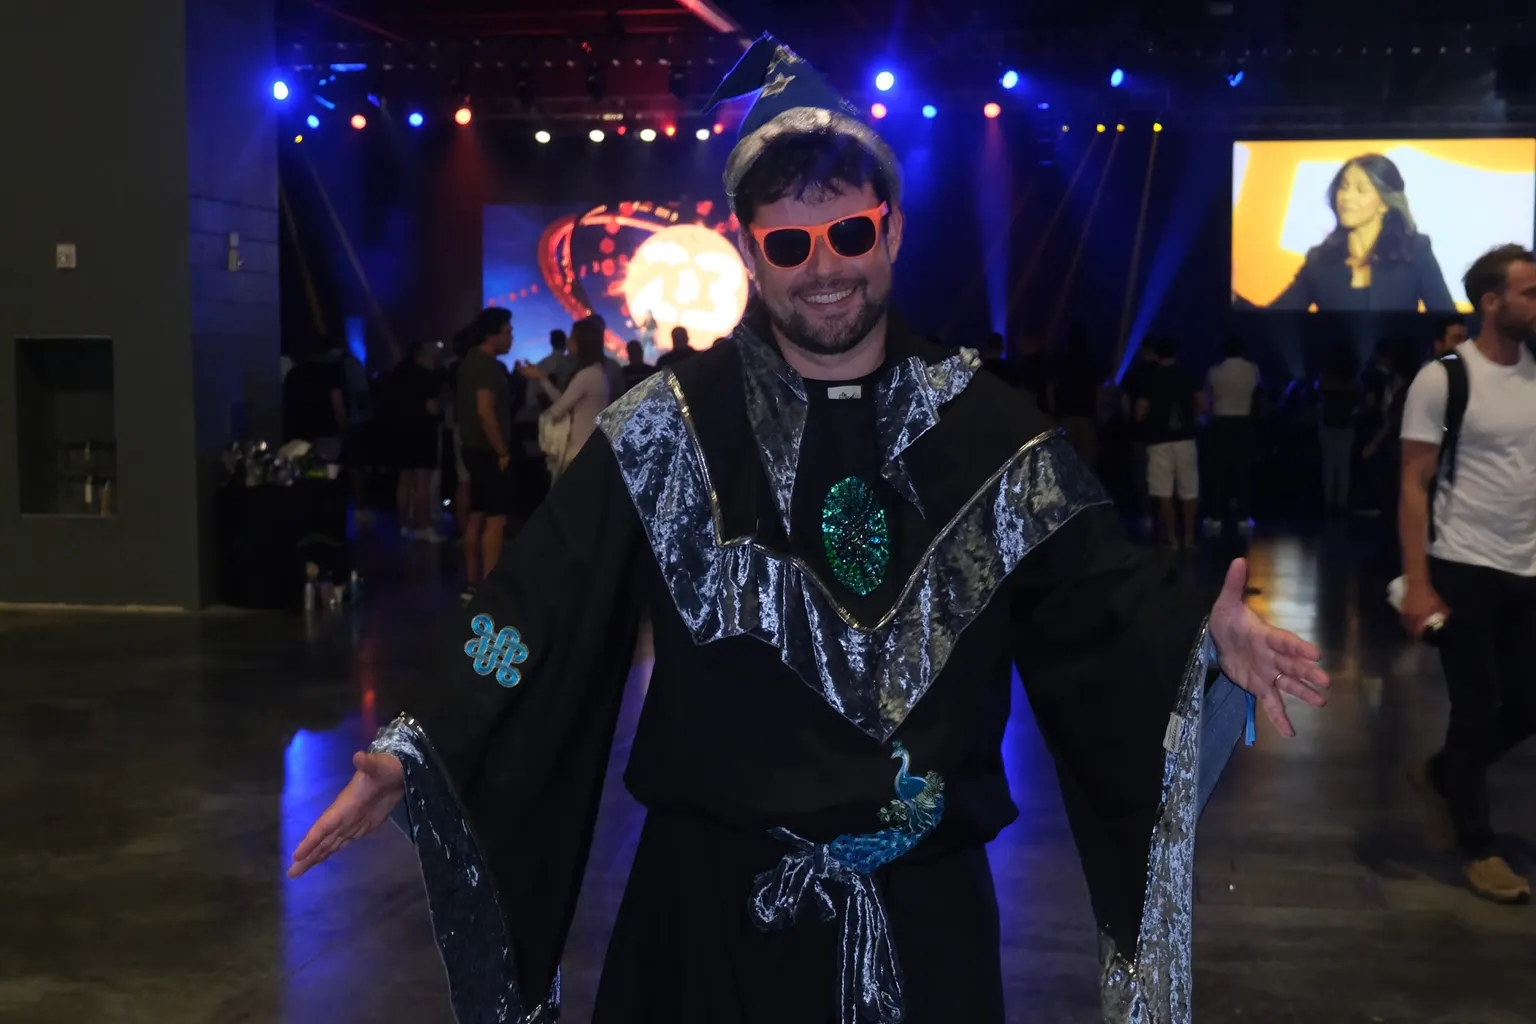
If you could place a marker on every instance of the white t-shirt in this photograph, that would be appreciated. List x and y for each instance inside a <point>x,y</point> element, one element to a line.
<point>1488,516</point>
<point>1232,383</point>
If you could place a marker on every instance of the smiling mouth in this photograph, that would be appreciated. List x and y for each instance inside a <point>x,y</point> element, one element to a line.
<point>826,298</point>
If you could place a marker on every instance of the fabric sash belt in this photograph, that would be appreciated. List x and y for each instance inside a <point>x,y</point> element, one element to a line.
<point>870,985</point>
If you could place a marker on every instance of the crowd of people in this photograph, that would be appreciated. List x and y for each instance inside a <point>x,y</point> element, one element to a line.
<point>456,426</point>
<point>1193,450</point>
<point>1190,452</point>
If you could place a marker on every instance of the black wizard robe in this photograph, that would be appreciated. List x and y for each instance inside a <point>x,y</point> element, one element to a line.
<point>800,656</point>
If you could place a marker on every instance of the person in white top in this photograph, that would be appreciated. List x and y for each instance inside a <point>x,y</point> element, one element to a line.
<point>586,395</point>
<point>1231,384</point>
<point>1477,566</point>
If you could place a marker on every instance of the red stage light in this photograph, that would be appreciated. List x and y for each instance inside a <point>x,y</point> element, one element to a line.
<point>991,110</point>
<point>359,122</point>
<point>463,116</point>
<point>669,131</point>
<point>621,129</point>
<point>719,127</point>
<point>877,111</point>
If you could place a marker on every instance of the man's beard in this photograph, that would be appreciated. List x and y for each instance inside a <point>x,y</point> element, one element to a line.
<point>1514,329</point>
<point>835,337</point>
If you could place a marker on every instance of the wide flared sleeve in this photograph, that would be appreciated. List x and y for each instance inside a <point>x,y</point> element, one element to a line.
<point>1120,673</point>
<point>505,743</point>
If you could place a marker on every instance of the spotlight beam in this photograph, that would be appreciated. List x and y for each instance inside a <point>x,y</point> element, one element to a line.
<point>353,19</point>
<point>1141,228</point>
<point>1021,284</point>
<point>1082,242</point>
<point>710,15</point>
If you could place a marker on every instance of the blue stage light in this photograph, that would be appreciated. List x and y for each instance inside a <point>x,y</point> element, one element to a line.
<point>1116,78</point>
<point>930,111</point>
<point>1042,105</point>
<point>312,121</point>
<point>1235,80</point>
<point>1009,80</point>
<point>279,90</point>
<point>885,81</point>
<point>415,119</point>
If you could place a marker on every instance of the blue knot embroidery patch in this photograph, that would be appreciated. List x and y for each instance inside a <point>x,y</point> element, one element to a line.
<point>496,651</point>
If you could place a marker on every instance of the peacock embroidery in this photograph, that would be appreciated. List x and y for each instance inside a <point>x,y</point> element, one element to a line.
<point>916,811</point>
<point>919,800</point>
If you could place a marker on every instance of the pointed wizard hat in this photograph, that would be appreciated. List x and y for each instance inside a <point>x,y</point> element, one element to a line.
<point>792,98</point>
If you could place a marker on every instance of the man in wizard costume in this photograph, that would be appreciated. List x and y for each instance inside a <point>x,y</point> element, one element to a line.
<point>846,537</point>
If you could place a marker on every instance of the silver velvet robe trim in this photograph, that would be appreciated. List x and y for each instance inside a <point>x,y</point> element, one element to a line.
<point>1155,987</point>
<point>871,674</point>
<point>466,912</point>
<point>777,409</point>
<point>907,407</point>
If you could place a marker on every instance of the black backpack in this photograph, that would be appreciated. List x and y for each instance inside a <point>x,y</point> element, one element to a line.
<point>1456,396</point>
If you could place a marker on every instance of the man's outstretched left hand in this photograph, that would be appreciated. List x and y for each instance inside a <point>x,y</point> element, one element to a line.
<point>1263,659</point>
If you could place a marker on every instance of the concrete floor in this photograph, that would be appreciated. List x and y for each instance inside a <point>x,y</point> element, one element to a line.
<point>156,770</point>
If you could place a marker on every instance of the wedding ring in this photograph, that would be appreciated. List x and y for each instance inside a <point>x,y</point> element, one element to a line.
<point>1276,680</point>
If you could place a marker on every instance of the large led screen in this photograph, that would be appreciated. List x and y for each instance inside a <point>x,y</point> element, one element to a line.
<point>1372,224</point>
<point>645,267</point>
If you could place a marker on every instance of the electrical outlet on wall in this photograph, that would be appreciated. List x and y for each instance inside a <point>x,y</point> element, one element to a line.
<point>64,256</point>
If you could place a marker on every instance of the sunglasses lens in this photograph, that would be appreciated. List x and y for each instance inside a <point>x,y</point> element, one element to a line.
<point>852,237</point>
<point>787,247</point>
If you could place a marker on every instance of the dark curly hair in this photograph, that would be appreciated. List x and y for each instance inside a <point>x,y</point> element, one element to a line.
<point>1395,244</point>
<point>807,164</point>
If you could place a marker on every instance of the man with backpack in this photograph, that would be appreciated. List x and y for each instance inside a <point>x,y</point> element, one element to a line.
<point>1467,522</point>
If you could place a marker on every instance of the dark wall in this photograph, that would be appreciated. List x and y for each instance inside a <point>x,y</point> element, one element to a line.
<point>102,159</point>
<point>98,158</point>
<point>231,191</point>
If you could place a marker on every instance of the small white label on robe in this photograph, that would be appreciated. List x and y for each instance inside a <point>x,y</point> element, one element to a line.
<point>1171,734</point>
<point>846,391</point>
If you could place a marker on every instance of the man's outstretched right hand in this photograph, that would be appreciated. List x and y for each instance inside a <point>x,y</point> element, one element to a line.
<point>363,806</point>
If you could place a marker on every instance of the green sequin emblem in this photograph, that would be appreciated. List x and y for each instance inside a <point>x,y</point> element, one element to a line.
<point>856,535</point>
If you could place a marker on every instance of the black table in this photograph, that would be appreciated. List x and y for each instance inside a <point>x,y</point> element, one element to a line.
<point>267,534</point>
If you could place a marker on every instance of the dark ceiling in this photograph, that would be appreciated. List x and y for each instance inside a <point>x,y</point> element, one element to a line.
<point>542,57</point>
<point>865,24</point>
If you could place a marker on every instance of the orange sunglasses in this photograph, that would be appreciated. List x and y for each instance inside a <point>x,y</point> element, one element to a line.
<point>849,237</point>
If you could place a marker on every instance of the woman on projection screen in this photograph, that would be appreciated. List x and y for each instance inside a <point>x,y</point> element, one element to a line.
<point>1375,258</point>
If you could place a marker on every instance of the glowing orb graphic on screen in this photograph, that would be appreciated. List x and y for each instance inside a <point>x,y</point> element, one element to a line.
<point>687,276</point>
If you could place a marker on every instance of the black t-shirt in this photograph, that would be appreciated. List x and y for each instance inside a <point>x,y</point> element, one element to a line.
<point>480,371</point>
<point>1170,394</point>
<point>412,386</point>
<point>1078,378</point>
<point>673,356</point>
<point>841,442</point>
<point>1134,386</point>
<point>307,410</point>
<point>634,373</point>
